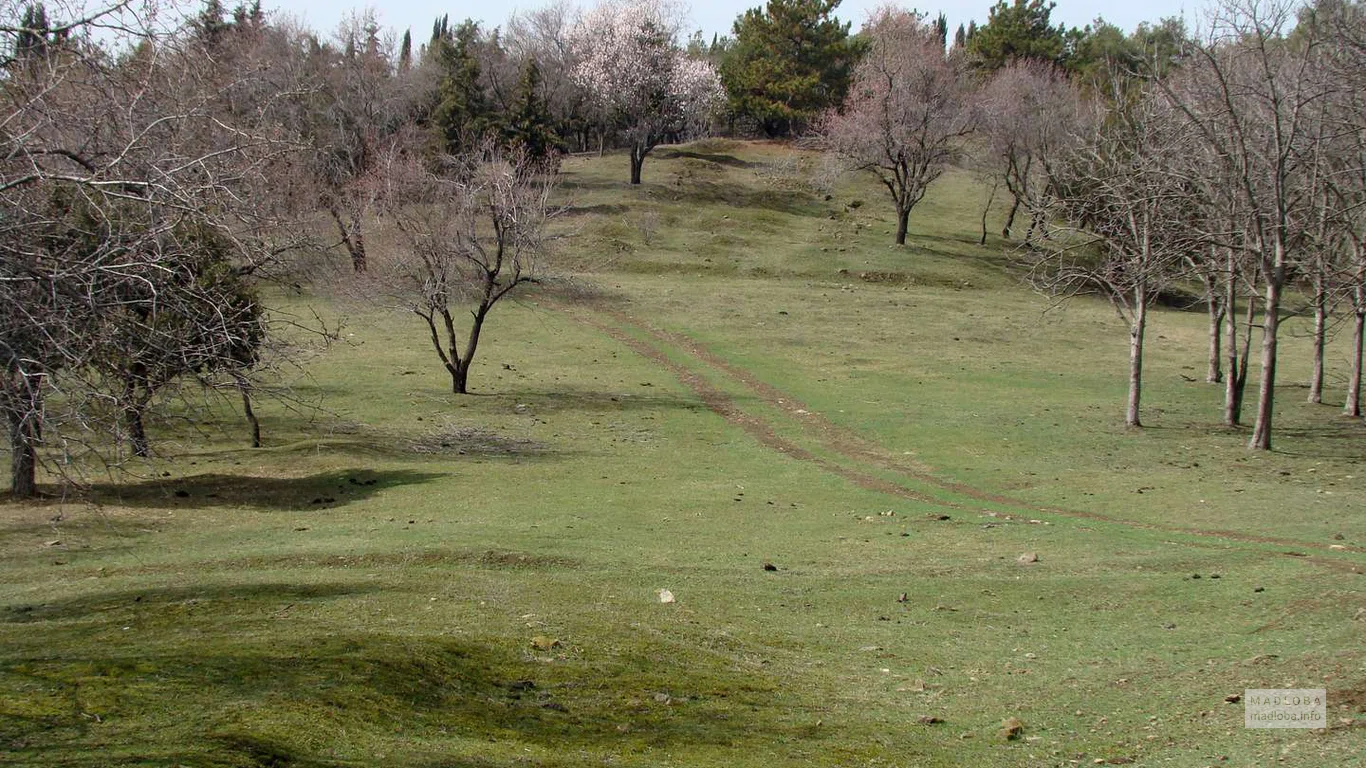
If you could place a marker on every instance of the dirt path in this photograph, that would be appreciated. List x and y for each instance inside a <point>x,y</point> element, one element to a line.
<point>849,445</point>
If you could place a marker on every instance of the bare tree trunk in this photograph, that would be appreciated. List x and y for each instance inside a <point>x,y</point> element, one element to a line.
<point>24,436</point>
<point>1010,218</point>
<point>1136,332</point>
<point>1266,394</point>
<point>137,432</point>
<point>352,237</point>
<point>1320,332</point>
<point>1035,224</point>
<point>638,153</point>
<point>1352,406</point>
<point>1240,379</point>
<point>1233,385</point>
<point>244,388</point>
<point>460,372</point>
<point>903,220</point>
<point>986,210</point>
<point>1216,306</point>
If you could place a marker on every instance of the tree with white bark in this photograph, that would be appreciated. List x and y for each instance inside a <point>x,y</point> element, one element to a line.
<point>630,61</point>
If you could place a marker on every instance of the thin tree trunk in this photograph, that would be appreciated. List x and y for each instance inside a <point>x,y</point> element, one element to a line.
<point>1352,406</point>
<point>1136,332</point>
<point>137,432</point>
<point>1239,378</point>
<point>1320,332</point>
<point>1233,385</point>
<point>1266,394</point>
<point>986,210</point>
<point>245,389</point>
<point>1216,307</point>
<point>460,372</point>
<point>1010,217</point>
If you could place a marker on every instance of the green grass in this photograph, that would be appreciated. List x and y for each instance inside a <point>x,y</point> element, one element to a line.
<point>365,590</point>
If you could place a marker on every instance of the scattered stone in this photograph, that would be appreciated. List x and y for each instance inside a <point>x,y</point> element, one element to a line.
<point>901,598</point>
<point>543,643</point>
<point>770,567</point>
<point>933,516</point>
<point>301,528</point>
<point>1027,558</point>
<point>1337,547</point>
<point>929,720</point>
<point>665,596</point>
<point>663,698</point>
<point>1259,589</point>
<point>1233,698</point>
<point>554,706</point>
<point>1011,729</point>
<point>1338,537</point>
<point>54,543</point>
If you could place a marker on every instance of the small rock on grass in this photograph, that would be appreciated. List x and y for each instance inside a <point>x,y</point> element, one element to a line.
<point>1233,698</point>
<point>665,596</point>
<point>929,720</point>
<point>1011,729</point>
<point>1028,558</point>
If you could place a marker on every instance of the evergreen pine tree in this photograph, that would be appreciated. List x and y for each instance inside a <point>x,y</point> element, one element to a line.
<point>405,52</point>
<point>463,113</point>
<point>530,123</point>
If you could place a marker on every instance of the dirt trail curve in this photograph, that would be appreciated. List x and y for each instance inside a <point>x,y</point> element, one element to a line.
<point>849,445</point>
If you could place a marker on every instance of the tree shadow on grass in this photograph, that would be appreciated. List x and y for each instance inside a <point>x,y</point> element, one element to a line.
<point>794,203</point>
<point>606,402</point>
<point>322,490</point>
<point>131,605</point>
<point>262,702</point>
<point>712,157</point>
<point>603,209</point>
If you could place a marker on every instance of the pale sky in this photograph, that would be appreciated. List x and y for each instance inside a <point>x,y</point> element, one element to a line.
<point>711,16</point>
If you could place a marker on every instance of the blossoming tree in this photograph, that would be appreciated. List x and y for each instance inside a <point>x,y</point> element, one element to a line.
<point>649,90</point>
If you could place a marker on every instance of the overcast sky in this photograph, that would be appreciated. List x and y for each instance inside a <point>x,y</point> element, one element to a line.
<point>711,16</point>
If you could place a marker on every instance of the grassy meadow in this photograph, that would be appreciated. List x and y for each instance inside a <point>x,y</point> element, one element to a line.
<point>833,453</point>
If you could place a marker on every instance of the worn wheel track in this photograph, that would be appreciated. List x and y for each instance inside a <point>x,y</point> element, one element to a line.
<point>848,444</point>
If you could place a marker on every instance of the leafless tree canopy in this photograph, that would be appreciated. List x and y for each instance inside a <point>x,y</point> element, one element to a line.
<point>907,111</point>
<point>133,203</point>
<point>470,233</point>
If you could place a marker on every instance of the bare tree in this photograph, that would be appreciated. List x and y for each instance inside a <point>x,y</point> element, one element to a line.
<point>112,155</point>
<point>356,101</point>
<point>1028,110</point>
<point>907,111</point>
<point>1127,215</point>
<point>470,235</point>
<point>1247,93</point>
